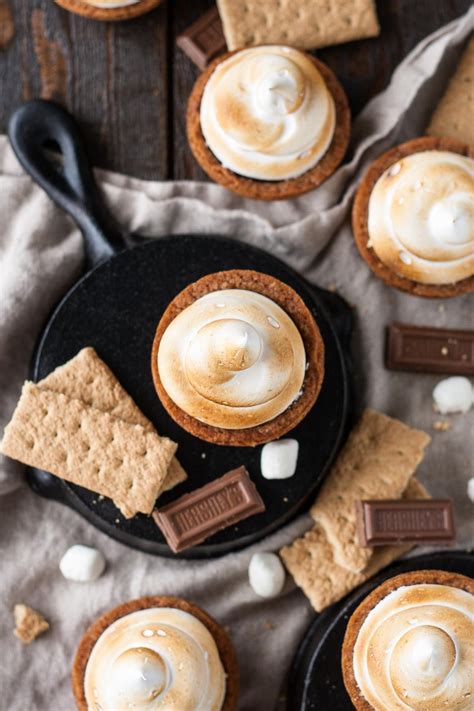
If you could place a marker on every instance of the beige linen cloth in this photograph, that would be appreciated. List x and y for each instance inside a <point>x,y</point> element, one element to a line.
<point>41,255</point>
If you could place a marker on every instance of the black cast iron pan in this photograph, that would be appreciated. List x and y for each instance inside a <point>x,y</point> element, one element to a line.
<point>315,681</point>
<point>115,307</point>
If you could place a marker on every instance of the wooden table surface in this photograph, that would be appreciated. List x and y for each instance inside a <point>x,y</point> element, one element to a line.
<point>128,83</point>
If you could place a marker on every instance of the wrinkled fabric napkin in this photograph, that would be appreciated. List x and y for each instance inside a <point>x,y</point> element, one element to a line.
<point>40,257</point>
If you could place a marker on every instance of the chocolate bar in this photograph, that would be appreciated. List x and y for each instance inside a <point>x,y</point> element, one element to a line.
<point>204,40</point>
<point>194,517</point>
<point>430,350</point>
<point>382,522</point>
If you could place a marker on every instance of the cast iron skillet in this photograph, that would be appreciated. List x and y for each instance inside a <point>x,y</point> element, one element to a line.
<point>315,682</point>
<point>115,308</point>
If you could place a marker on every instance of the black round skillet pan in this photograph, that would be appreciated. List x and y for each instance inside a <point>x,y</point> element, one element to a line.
<point>128,282</point>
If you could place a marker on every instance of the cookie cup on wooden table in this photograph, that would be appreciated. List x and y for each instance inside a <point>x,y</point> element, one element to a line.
<point>109,10</point>
<point>409,644</point>
<point>413,217</point>
<point>188,658</point>
<point>238,358</point>
<point>268,122</point>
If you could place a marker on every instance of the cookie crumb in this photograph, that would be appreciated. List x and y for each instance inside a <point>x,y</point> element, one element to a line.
<point>441,426</point>
<point>29,624</point>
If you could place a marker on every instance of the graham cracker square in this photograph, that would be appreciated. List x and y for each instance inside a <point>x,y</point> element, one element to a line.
<point>86,377</point>
<point>377,462</point>
<point>88,447</point>
<point>454,115</point>
<point>307,24</point>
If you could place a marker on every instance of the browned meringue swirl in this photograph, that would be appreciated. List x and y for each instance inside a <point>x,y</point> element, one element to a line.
<point>415,650</point>
<point>156,658</point>
<point>233,359</point>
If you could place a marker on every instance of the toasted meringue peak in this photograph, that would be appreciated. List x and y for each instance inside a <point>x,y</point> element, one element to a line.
<point>421,217</point>
<point>266,113</point>
<point>232,359</point>
<point>158,658</point>
<point>415,650</point>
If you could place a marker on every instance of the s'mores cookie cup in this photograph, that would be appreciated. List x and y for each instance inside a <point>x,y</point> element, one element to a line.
<point>409,644</point>
<point>268,122</point>
<point>238,358</point>
<point>109,10</point>
<point>413,217</point>
<point>155,652</point>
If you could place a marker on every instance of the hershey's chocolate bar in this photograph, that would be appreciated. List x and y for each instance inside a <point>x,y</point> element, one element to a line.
<point>204,40</point>
<point>430,350</point>
<point>382,522</point>
<point>194,517</point>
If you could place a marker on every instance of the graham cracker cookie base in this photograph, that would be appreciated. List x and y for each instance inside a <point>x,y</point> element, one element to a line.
<point>221,638</point>
<point>115,14</point>
<point>454,115</point>
<point>437,577</point>
<point>308,24</point>
<point>377,462</point>
<point>360,212</point>
<point>86,377</point>
<point>88,447</point>
<point>263,189</point>
<point>310,560</point>
<point>295,307</point>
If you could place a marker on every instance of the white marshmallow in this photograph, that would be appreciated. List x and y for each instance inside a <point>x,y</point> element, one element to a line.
<point>266,574</point>
<point>470,489</point>
<point>82,564</point>
<point>278,460</point>
<point>453,395</point>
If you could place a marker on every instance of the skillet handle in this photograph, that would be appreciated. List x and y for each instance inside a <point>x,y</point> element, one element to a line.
<point>71,185</point>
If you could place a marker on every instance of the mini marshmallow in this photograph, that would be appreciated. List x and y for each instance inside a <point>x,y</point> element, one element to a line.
<point>453,395</point>
<point>470,489</point>
<point>278,460</point>
<point>82,564</point>
<point>266,574</point>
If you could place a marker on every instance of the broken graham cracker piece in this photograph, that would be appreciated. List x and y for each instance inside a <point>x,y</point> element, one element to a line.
<point>312,24</point>
<point>377,462</point>
<point>454,115</point>
<point>86,377</point>
<point>29,624</point>
<point>88,447</point>
<point>310,561</point>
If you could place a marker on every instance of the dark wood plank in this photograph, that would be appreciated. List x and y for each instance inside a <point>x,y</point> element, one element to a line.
<point>112,76</point>
<point>183,75</point>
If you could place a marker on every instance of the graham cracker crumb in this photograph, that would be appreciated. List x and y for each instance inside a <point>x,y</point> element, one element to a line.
<point>441,426</point>
<point>29,623</point>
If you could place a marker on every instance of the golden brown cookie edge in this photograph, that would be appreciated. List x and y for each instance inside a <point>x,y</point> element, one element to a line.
<point>261,189</point>
<point>289,301</point>
<point>440,577</point>
<point>360,211</point>
<point>224,645</point>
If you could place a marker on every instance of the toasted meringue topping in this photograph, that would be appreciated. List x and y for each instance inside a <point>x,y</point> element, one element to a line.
<point>158,658</point>
<point>111,4</point>
<point>415,650</point>
<point>421,217</point>
<point>266,113</point>
<point>233,359</point>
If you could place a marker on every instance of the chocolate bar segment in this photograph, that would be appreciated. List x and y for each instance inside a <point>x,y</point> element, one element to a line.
<point>430,350</point>
<point>204,40</point>
<point>382,522</point>
<point>194,517</point>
